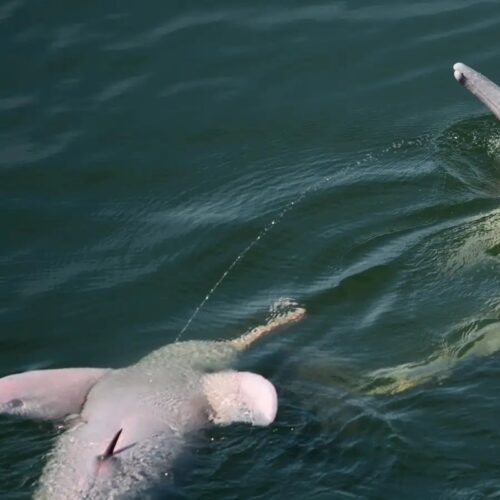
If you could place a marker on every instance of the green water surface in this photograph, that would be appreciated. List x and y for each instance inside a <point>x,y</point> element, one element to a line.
<point>317,151</point>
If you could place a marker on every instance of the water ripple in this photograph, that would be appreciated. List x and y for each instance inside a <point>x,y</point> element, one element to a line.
<point>22,153</point>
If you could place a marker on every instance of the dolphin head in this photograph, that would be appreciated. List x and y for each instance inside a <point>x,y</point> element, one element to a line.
<point>480,86</point>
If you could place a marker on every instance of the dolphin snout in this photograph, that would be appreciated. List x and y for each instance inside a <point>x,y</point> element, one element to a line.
<point>458,72</point>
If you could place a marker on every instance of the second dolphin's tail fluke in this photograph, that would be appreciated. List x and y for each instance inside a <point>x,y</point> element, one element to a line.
<point>476,83</point>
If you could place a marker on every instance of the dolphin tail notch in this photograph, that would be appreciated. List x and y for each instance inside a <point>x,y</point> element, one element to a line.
<point>480,86</point>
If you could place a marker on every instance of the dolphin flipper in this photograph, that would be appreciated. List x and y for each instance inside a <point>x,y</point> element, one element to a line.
<point>47,394</point>
<point>240,397</point>
<point>476,83</point>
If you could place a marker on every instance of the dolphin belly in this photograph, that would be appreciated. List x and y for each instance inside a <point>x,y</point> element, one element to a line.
<point>149,417</point>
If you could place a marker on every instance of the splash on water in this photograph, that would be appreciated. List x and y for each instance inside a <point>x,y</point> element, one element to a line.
<point>368,158</point>
<point>267,228</point>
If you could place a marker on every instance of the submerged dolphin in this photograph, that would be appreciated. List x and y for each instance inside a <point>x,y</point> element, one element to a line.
<point>130,424</point>
<point>484,341</point>
<point>476,83</point>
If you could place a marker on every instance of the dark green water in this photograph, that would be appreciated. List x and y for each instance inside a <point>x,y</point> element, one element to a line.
<point>327,147</point>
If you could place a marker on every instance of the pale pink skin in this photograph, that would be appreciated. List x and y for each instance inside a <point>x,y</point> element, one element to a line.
<point>156,403</point>
<point>47,394</point>
<point>480,86</point>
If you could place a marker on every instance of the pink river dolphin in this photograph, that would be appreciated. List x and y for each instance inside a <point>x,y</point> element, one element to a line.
<point>476,83</point>
<point>127,426</point>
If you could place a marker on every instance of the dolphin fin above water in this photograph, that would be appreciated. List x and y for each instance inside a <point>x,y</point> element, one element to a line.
<point>47,394</point>
<point>476,83</point>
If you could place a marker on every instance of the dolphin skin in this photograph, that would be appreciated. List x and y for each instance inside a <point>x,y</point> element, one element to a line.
<point>128,426</point>
<point>476,83</point>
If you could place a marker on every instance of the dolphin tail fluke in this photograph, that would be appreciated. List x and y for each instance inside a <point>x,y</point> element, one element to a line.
<point>286,313</point>
<point>476,83</point>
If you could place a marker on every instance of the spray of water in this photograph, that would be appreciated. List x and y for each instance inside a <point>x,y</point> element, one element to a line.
<point>266,229</point>
<point>274,222</point>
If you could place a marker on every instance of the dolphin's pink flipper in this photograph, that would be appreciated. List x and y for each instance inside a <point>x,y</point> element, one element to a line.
<point>47,394</point>
<point>240,397</point>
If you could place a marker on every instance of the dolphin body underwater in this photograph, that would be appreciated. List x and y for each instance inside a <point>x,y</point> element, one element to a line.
<point>485,341</point>
<point>128,426</point>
